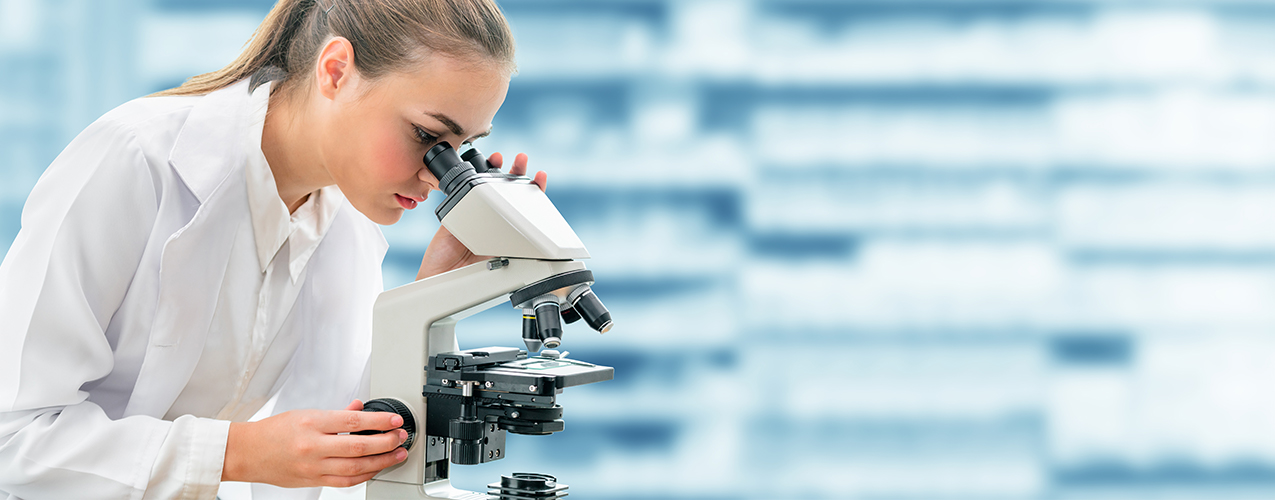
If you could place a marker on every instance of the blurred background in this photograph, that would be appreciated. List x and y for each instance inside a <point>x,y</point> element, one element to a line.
<point>877,249</point>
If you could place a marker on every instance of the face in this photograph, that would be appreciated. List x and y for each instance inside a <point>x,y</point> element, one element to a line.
<point>376,135</point>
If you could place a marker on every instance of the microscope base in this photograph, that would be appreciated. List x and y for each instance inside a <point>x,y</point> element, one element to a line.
<point>437,490</point>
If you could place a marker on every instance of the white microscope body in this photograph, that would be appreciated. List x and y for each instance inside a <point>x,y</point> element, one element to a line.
<point>479,394</point>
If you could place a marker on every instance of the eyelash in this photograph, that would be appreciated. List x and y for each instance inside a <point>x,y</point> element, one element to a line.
<point>424,137</point>
<point>429,139</point>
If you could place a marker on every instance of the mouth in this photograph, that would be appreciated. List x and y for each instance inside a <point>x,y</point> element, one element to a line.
<point>407,203</point>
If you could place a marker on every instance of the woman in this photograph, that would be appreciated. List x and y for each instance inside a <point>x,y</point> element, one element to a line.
<point>195,253</point>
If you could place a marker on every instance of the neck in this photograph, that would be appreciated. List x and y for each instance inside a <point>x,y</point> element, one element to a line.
<point>290,152</point>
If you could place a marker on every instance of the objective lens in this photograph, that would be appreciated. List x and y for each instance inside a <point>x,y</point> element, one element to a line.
<point>593,312</point>
<point>549,323</point>
<point>569,315</point>
<point>530,332</point>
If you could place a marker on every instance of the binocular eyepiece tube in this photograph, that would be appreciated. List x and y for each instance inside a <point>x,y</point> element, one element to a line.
<point>453,170</point>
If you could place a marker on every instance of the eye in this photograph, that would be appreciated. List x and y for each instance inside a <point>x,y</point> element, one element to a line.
<point>424,137</point>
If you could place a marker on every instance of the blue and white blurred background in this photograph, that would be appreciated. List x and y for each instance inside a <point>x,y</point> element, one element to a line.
<point>878,249</point>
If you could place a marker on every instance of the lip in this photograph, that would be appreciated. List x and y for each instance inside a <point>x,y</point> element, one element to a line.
<point>405,202</point>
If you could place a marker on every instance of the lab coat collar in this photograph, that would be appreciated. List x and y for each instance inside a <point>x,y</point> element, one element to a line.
<point>199,154</point>
<point>272,225</point>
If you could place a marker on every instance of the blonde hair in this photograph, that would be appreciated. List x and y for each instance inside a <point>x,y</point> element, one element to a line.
<point>387,35</point>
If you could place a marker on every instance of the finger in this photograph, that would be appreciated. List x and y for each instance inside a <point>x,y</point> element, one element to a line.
<point>496,160</point>
<point>336,422</point>
<point>542,180</point>
<point>355,406</point>
<point>363,465</point>
<point>520,164</point>
<point>345,481</point>
<point>353,445</point>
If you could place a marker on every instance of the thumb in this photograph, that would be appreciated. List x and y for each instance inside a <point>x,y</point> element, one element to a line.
<point>356,405</point>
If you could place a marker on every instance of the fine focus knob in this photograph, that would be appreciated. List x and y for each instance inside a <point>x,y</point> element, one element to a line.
<point>392,406</point>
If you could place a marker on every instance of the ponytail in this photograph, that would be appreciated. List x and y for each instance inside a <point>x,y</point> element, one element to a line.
<point>387,35</point>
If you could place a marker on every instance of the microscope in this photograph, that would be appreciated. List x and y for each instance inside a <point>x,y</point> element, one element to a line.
<point>457,405</point>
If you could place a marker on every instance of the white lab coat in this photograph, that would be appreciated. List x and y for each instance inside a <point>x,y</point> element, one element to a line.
<point>107,293</point>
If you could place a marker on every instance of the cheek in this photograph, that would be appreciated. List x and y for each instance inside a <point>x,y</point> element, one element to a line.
<point>387,162</point>
<point>397,157</point>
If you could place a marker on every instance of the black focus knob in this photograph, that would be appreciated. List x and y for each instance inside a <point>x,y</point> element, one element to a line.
<point>393,406</point>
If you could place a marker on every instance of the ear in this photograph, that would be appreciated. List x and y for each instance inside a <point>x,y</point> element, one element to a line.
<point>335,71</point>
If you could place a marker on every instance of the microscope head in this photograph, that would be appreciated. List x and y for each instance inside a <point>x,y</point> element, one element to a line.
<point>499,214</point>
<point>507,216</point>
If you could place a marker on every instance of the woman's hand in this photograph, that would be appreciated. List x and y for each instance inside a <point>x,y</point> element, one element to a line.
<point>445,252</point>
<point>305,448</point>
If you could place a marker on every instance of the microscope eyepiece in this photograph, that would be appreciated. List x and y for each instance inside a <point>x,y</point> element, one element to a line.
<point>450,170</point>
<point>476,158</point>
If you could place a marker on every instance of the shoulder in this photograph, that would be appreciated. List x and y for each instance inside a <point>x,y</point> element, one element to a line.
<point>125,151</point>
<point>135,137</point>
<point>144,110</point>
<point>152,123</point>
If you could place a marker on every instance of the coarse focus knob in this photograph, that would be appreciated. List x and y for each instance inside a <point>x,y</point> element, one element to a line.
<point>393,406</point>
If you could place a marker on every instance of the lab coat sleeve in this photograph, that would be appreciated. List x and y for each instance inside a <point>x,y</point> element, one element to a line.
<point>84,230</point>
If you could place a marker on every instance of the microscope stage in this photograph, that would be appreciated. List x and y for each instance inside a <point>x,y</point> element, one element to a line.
<point>506,373</point>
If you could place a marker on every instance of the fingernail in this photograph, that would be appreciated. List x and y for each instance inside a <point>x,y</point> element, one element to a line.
<point>400,454</point>
<point>396,421</point>
<point>402,436</point>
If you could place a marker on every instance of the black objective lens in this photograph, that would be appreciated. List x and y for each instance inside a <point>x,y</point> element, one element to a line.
<point>569,315</point>
<point>447,167</point>
<point>549,322</point>
<point>593,312</point>
<point>530,332</point>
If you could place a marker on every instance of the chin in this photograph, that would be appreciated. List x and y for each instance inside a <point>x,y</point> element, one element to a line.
<point>382,216</point>
<point>387,218</point>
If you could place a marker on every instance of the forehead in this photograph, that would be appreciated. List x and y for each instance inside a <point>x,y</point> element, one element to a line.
<point>468,93</point>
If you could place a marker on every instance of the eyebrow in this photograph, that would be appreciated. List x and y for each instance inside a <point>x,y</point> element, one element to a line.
<point>454,127</point>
